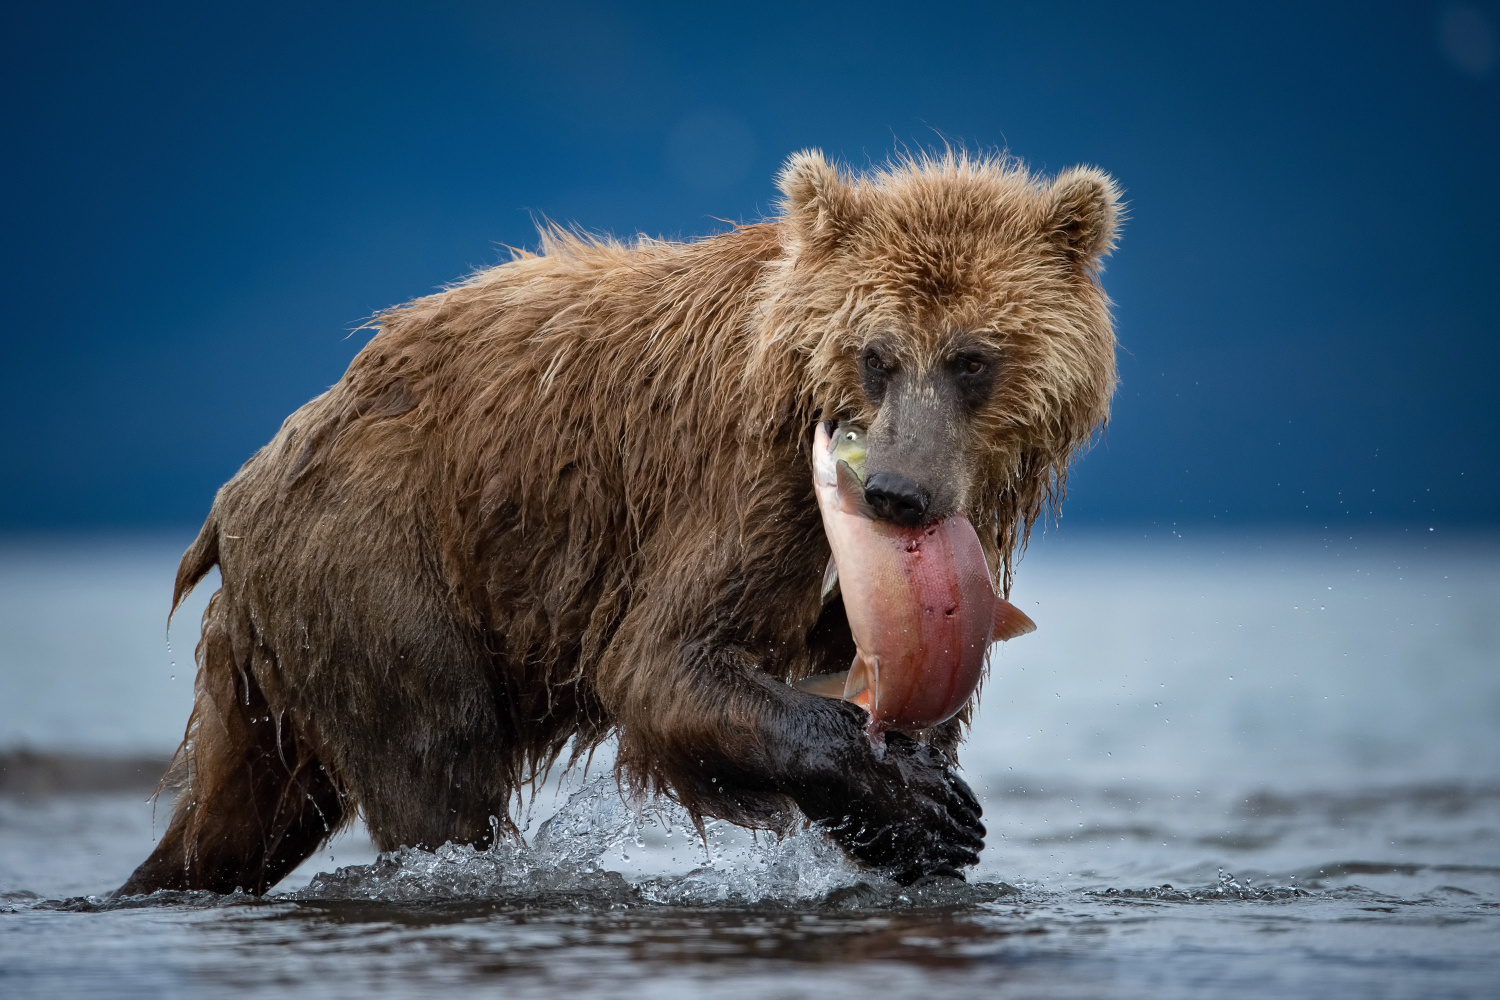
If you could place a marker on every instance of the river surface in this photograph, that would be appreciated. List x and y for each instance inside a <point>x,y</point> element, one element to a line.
<point>1248,766</point>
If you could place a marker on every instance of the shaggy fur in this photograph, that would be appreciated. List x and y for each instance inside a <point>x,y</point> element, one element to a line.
<point>571,497</point>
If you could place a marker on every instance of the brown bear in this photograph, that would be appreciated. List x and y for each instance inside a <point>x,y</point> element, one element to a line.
<point>571,497</point>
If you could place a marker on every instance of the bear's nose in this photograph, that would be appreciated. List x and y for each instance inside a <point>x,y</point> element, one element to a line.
<point>896,498</point>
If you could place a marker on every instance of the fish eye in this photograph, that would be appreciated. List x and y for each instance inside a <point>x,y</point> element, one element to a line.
<point>851,435</point>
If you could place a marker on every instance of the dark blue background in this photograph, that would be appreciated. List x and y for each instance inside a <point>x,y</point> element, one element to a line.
<point>201,201</point>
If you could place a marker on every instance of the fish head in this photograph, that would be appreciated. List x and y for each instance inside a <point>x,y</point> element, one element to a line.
<point>838,461</point>
<point>851,445</point>
<point>833,443</point>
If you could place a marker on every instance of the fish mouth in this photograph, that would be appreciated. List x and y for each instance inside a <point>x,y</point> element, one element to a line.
<point>825,472</point>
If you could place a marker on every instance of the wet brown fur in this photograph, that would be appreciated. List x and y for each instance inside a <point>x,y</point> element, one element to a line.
<point>571,497</point>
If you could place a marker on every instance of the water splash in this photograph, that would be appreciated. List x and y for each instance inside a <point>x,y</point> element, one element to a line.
<point>507,872</point>
<point>188,899</point>
<point>1225,888</point>
<point>598,850</point>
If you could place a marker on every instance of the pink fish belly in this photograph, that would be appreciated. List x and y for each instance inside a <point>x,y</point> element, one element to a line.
<point>925,618</point>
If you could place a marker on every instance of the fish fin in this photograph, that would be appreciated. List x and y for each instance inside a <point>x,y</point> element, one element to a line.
<point>827,685</point>
<point>863,684</point>
<point>1010,621</point>
<point>855,679</point>
<point>852,492</point>
<point>830,580</point>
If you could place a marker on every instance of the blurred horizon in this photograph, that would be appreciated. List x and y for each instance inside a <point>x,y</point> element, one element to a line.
<point>202,204</point>
<point>1239,659</point>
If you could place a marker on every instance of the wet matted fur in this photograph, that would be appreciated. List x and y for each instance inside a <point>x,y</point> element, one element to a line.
<point>571,497</point>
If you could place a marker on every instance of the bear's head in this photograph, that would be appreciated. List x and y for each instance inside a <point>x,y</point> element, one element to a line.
<point>950,303</point>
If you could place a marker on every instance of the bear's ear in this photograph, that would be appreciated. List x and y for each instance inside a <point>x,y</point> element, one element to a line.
<point>819,203</point>
<point>1083,214</point>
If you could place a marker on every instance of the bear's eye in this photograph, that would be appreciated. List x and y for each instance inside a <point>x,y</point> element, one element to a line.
<point>875,373</point>
<point>971,364</point>
<point>974,376</point>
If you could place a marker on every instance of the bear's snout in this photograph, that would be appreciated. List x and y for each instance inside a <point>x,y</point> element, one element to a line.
<point>896,498</point>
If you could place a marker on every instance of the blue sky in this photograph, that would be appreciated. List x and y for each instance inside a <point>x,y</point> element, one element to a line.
<point>202,201</point>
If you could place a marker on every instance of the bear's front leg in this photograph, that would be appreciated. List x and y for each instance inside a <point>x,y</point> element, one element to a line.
<point>700,717</point>
<point>906,813</point>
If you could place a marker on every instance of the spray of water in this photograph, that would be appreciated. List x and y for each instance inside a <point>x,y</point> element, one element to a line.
<point>602,850</point>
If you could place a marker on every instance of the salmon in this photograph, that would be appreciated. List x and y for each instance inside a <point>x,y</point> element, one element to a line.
<point>919,601</point>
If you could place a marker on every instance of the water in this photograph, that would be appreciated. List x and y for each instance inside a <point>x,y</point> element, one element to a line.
<point>1207,773</point>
